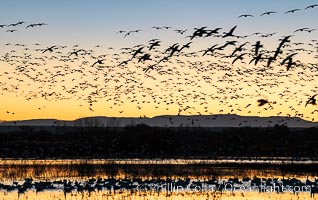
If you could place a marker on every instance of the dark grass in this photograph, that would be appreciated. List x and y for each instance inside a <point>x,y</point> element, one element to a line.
<point>17,172</point>
<point>153,142</point>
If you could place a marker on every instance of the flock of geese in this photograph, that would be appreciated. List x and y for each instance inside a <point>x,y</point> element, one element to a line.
<point>287,12</point>
<point>13,27</point>
<point>166,185</point>
<point>207,69</point>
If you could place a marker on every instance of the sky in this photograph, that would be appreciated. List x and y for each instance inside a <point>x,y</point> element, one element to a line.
<point>89,23</point>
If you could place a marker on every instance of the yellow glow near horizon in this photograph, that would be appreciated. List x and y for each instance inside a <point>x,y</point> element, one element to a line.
<point>72,108</point>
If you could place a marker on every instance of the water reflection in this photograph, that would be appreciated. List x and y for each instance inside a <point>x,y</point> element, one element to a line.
<point>127,195</point>
<point>52,171</point>
<point>143,196</point>
<point>139,181</point>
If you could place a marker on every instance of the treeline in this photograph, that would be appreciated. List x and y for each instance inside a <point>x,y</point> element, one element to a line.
<point>141,141</point>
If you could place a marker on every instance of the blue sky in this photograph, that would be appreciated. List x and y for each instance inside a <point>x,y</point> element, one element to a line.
<point>98,21</point>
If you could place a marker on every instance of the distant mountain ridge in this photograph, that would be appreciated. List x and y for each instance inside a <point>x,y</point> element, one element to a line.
<point>220,120</point>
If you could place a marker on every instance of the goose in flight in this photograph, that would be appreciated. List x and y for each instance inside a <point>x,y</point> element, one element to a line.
<point>310,30</point>
<point>262,102</point>
<point>211,50</point>
<point>138,51</point>
<point>75,52</point>
<point>33,25</point>
<point>286,39</point>
<point>99,61</point>
<point>130,32</point>
<point>144,57</point>
<point>256,59</point>
<point>11,31</point>
<point>245,16</point>
<point>257,46</point>
<point>186,46</point>
<point>312,100</point>
<point>288,58</point>
<point>268,34</point>
<point>155,43</point>
<point>268,13</point>
<point>290,63</point>
<point>198,32</point>
<point>240,57</point>
<point>311,6</point>
<point>16,24</point>
<point>173,49</point>
<point>239,49</point>
<point>50,49</point>
<point>292,11</point>
<point>125,62</point>
<point>121,31</point>
<point>150,67</point>
<point>301,29</point>
<point>211,32</point>
<point>230,33</point>
<point>181,31</point>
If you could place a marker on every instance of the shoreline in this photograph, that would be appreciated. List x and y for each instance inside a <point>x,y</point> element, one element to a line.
<point>280,161</point>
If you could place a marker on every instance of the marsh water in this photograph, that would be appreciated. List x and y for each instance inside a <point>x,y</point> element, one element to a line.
<point>69,179</point>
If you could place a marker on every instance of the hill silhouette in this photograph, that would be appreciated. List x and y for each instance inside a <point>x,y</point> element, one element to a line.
<point>224,120</point>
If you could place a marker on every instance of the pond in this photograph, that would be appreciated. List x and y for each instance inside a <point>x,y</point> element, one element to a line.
<point>133,179</point>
